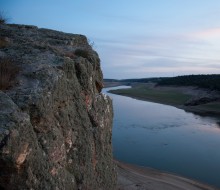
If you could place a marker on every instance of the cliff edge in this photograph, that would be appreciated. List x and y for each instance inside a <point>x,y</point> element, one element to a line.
<point>55,124</point>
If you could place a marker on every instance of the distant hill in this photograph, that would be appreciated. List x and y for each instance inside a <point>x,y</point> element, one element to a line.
<point>141,80</point>
<point>211,82</point>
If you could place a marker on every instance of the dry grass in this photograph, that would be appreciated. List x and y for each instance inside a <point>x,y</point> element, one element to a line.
<point>78,53</point>
<point>3,42</point>
<point>3,19</point>
<point>8,72</point>
<point>82,53</point>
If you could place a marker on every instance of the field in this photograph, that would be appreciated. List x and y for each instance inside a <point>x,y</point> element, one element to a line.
<point>171,96</point>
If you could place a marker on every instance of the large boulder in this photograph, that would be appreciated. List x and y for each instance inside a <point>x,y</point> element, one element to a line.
<point>55,124</point>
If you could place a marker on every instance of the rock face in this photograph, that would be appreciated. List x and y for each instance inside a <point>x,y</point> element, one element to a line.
<point>55,124</point>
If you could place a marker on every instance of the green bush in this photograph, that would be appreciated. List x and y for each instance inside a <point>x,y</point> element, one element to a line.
<point>8,71</point>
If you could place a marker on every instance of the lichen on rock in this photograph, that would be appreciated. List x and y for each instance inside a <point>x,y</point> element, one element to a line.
<point>55,124</point>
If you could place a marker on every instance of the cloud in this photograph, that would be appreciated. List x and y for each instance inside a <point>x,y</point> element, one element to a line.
<point>208,33</point>
<point>158,55</point>
<point>170,70</point>
<point>158,47</point>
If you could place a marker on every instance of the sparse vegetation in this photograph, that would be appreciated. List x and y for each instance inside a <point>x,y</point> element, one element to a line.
<point>3,19</point>
<point>82,53</point>
<point>3,42</point>
<point>8,71</point>
<point>91,43</point>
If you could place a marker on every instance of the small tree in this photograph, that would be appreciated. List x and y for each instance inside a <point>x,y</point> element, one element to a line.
<point>3,19</point>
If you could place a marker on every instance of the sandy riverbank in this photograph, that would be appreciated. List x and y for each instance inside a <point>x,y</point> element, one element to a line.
<point>131,177</point>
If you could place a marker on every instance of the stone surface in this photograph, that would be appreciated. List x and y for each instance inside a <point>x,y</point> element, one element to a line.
<point>55,125</point>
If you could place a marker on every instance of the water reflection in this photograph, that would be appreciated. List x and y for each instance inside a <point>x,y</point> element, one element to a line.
<point>166,138</point>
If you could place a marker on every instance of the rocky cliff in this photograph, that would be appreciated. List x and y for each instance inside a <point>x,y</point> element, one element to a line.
<point>55,124</point>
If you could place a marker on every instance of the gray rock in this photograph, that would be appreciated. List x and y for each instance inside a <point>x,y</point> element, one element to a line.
<point>55,125</point>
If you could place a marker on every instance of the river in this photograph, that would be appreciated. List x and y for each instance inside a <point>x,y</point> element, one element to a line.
<point>166,138</point>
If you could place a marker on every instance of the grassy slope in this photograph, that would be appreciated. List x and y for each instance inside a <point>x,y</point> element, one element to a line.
<point>169,97</point>
<point>211,108</point>
<point>173,97</point>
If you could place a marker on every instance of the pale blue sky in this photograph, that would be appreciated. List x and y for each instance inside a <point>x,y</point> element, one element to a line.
<point>134,39</point>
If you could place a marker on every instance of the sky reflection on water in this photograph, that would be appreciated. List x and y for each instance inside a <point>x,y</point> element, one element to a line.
<point>166,138</point>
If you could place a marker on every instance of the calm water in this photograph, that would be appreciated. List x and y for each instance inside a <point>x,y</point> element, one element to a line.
<point>166,138</point>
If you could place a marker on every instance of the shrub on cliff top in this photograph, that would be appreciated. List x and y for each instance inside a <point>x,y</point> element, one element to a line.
<point>3,42</point>
<point>8,72</point>
<point>3,19</point>
<point>82,53</point>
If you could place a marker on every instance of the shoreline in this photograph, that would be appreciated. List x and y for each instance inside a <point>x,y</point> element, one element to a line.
<point>193,109</point>
<point>185,108</point>
<point>133,177</point>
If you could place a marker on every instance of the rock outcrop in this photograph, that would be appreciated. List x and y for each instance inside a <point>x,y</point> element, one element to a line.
<point>55,124</point>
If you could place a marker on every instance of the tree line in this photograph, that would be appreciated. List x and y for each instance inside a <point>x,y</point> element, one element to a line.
<point>211,82</point>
